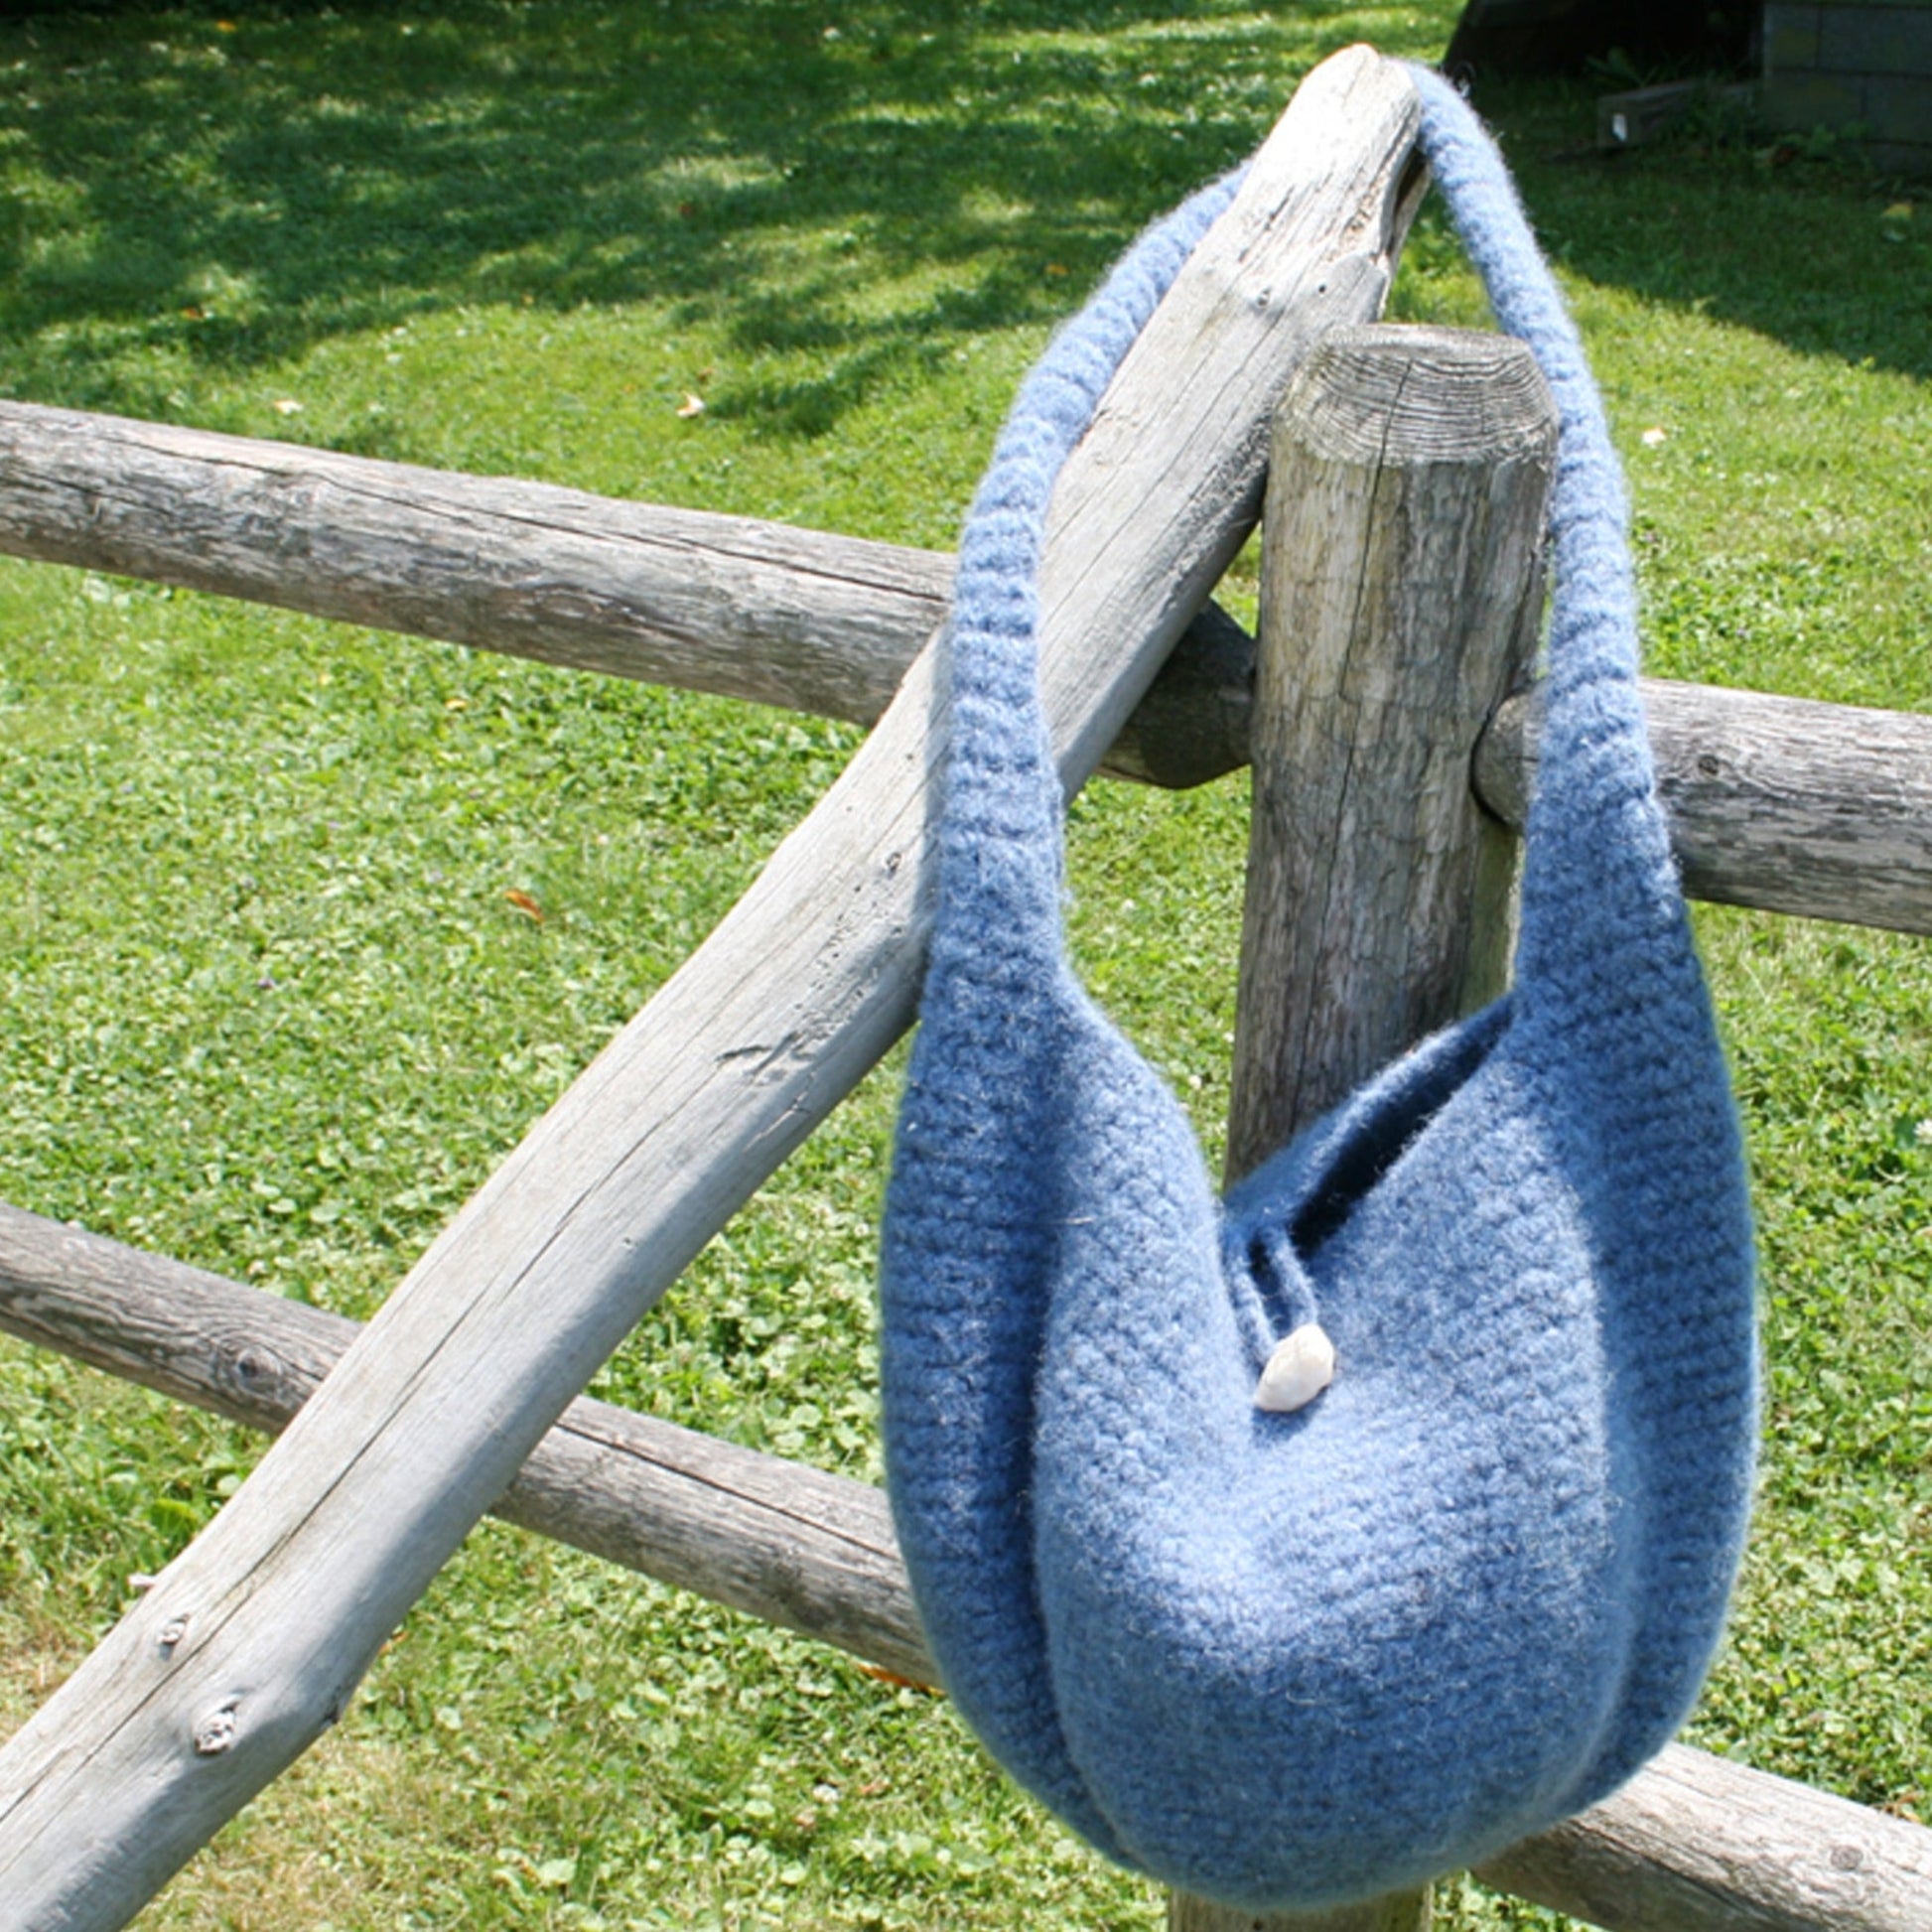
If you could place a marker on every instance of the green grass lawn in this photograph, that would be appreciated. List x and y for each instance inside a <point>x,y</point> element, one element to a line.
<point>269,1008</point>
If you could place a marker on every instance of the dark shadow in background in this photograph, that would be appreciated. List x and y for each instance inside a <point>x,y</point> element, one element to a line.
<point>1791,238</point>
<point>1508,39</point>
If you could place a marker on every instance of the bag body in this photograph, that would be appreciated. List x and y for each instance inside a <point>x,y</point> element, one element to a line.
<point>1290,1660</point>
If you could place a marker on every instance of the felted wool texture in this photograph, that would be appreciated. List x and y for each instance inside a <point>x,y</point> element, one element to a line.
<point>1292,1660</point>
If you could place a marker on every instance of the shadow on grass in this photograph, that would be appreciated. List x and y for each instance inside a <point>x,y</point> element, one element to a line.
<point>1819,252</point>
<point>223,190</point>
<point>208,193</point>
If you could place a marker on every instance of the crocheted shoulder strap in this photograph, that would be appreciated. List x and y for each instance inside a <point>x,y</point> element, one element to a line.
<point>1000,830</point>
<point>1002,791</point>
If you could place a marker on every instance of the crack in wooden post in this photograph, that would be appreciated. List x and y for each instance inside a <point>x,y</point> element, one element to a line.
<point>1400,592</point>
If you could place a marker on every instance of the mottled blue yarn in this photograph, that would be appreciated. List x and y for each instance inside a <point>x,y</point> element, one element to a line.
<point>1295,1660</point>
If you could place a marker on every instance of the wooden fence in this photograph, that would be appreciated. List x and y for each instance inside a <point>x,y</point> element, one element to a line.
<point>1401,458</point>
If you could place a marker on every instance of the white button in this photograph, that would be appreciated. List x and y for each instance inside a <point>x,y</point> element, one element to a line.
<point>1301,1366</point>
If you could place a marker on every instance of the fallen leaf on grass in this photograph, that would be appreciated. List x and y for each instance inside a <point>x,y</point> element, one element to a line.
<point>525,905</point>
<point>692,405</point>
<point>899,1683</point>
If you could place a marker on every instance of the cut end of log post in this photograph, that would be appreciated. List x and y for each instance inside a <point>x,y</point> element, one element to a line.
<point>1399,581</point>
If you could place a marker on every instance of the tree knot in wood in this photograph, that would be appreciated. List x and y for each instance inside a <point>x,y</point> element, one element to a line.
<point>215,1731</point>
<point>253,1369</point>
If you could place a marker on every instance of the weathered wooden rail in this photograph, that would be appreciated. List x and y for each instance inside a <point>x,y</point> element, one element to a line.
<point>457,1398</point>
<point>1784,804</point>
<point>1695,1841</point>
<point>778,615</point>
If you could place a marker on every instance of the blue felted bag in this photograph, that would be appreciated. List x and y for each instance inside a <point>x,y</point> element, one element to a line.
<point>1290,1660</point>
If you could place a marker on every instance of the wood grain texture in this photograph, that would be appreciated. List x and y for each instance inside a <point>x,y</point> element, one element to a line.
<point>1400,594</point>
<point>776,1540</point>
<point>1405,1912</point>
<point>800,618</point>
<point>1820,810</point>
<point>252,1641</point>
<point>725,604</point>
<point>1693,1843</point>
<point>1698,1841</point>
<point>1399,601</point>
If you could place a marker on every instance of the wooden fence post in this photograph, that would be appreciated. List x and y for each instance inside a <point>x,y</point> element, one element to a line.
<point>1400,596</point>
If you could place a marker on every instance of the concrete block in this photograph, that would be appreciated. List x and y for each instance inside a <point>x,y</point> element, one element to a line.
<point>1874,39</point>
<point>1898,106</point>
<point>1791,37</point>
<point>1636,118</point>
<point>1808,100</point>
